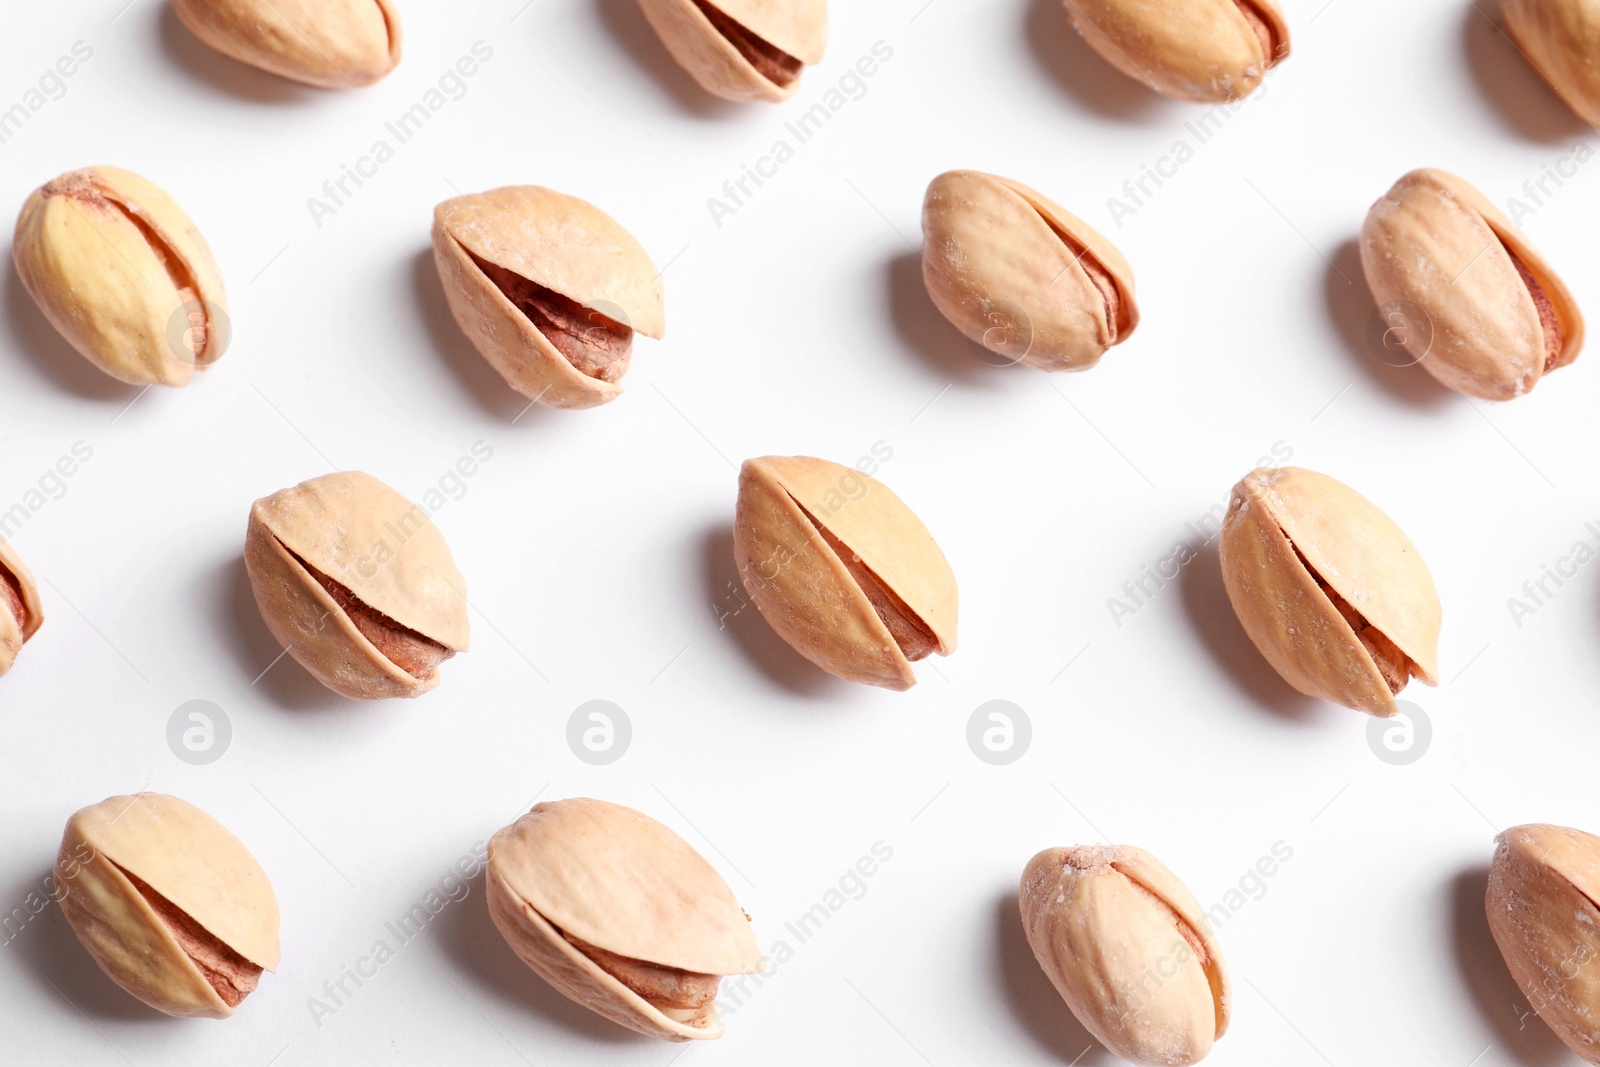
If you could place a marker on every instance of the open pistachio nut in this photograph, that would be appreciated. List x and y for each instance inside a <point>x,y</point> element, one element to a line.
<point>549,288</point>
<point>1128,948</point>
<point>1021,276</point>
<point>1559,38</point>
<point>1470,298</point>
<point>123,274</point>
<point>742,49</point>
<point>358,584</point>
<point>1205,51</point>
<point>171,905</point>
<point>842,569</point>
<point>619,914</point>
<point>1331,591</point>
<point>21,614</point>
<point>332,44</point>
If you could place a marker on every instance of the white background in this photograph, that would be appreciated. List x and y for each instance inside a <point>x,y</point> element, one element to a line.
<point>598,552</point>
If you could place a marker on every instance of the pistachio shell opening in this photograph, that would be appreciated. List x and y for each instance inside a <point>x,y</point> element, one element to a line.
<point>1204,51</point>
<point>742,49</point>
<point>330,44</point>
<point>20,612</point>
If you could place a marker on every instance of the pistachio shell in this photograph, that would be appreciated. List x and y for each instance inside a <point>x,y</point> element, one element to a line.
<point>1286,529</point>
<point>1130,951</point>
<point>1021,275</point>
<point>792,511</point>
<point>190,866</point>
<point>21,614</point>
<point>1207,51</point>
<point>385,554</point>
<point>112,262</point>
<point>618,881</point>
<point>559,244</point>
<point>742,49</point>
<point>1558,37</point>
<point>1544,912</point>
<point>1439,244</point>
<point>334,44</point>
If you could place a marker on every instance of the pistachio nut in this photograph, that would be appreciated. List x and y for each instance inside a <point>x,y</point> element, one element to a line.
<point>1331,591</point>
<point>358,584</point>
<point>334,44</point>
<point>1544,912</point>
<point>549,288</point>
<point>1128,948</point>
<point>123,274</point>
<point>1020,275</point>
<point>619,914</point>
<point>1470,298</point>
<point>21,614</point>
<point>743,49</point>
<point>170,904</point>
<point>1206,51</point>
<point>1559,38</point>
<point>842,569</point>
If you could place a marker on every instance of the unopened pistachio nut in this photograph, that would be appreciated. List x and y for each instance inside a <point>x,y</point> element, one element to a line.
<point>743,49</point>
<point>1331,591</point>
<point>1467,295</point>
<point>1021,276</point>
<point>123,274</point>
<point>549,288</point>
<point>171,905</point>
<point>358,584</point>
<point>842,569</point>
<point>1560,37</point>
<point>619,914</point>
<point>1544,912</point>
<point>334,44</point>
<point>1206,51</point>
<point>21,614</point>
<point>1128,948</point>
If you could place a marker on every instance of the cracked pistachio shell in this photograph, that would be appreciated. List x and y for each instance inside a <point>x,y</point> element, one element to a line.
<point>401,604</point>
<point>1543,888</point>
<point>123,274</point>
<point>193,939</point>
<point>1205,51</point>
<point>742,49</point>
<point>616,880</point>
<point>1128,948</point>
<point>1559,37</point>
<point>553,243</point>
<point>21,614</point>
<point>333,44</point>
<point>842,569</point>
<point>1293,541</point>
<point>1438,245</point>
<point>1021,276</point>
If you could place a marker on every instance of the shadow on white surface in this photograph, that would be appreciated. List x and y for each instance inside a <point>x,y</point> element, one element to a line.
<point>1354,315</point>
<point>51,357</point>
<point>627,26</point>
<point>236,622</point>
<point>1509,83</point>
<point>925,331</point>
<point>1033,1000</point>
<point>216,71</point>
<point>1082,72</point>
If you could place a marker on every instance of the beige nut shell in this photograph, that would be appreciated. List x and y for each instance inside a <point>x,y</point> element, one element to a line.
<point>994,249</point>
<point>187,857</point>
<point>382,548</point>
<point>1205,51</point>
<point>1361,554</point>
<point>1102,920</point>
<point>796,27</point>
<point>98,250</point>
<point>332,44</point>
<point>802,587</point>
<point>621,881</point>
<point>1559,37</point>
<point>1543,905</point>
<point>12,635</point>
<point>556,241</point>
<point>1439,243</point>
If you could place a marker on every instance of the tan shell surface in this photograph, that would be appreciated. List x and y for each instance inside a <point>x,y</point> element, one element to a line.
<point>332,44</point>
<point>1437,242</point>
<point>1199,50</point>
<point>13,636</point>
<point>798,27</point>
<point>96,277</point>
<point>1101,920</point>
<point>991,245</point>
<point>1543,887</point>
<point>1558,37</point>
